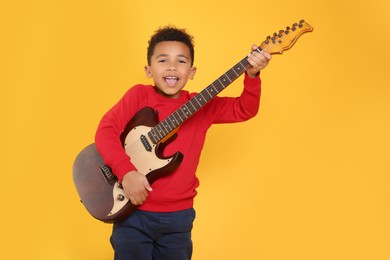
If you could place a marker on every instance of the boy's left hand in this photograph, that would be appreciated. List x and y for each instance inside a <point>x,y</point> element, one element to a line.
<point>258,61</point>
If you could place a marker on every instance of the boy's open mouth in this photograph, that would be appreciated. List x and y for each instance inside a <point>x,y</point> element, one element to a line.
<point>171,80</point>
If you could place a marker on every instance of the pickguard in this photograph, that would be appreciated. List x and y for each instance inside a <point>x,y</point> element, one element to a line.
<point>142,157</point>
<point>145,161</point>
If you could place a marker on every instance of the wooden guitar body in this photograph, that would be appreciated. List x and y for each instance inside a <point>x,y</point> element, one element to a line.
<point>98,188</point>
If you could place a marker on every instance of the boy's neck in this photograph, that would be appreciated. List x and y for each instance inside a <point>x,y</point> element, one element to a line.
<point>175,96</point>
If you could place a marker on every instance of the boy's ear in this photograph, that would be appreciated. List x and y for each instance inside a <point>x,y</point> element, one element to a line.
<point>148,71</point>
<point>192,73</point>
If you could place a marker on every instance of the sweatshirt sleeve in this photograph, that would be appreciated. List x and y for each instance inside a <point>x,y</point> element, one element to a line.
<point>107,137</point>
<point>237,109</point>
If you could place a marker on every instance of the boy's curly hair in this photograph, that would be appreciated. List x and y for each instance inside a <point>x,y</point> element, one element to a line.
<point>170,33</point>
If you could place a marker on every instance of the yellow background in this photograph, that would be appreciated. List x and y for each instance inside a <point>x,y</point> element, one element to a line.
<point>308,178</point>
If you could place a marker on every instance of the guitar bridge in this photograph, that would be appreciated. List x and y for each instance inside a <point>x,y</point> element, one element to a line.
<point>109,177</point>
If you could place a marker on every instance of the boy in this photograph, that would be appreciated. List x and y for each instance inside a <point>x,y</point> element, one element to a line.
<point>161,226</point>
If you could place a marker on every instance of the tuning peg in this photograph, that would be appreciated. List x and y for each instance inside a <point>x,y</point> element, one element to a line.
<point>267,39</point>
<point>281,33</point>
<point>273,38</point>
<point>294,26</point>
<point>301,23</point>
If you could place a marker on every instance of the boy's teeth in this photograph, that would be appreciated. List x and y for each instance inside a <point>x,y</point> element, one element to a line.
<point>171,80</point>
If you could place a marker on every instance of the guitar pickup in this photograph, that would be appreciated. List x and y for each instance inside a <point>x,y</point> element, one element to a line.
<point>146,144</point>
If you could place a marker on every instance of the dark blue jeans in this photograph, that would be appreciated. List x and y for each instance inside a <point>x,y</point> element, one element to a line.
<point>154,236</point>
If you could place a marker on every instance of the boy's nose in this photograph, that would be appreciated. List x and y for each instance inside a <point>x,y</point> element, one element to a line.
<point>171,67</point>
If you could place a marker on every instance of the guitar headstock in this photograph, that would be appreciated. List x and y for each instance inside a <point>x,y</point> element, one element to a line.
<point>285,39</point>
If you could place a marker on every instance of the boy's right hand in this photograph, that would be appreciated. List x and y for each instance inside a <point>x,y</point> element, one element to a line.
<point>136,187</point>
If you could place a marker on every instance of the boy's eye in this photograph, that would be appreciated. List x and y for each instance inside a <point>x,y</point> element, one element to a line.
<point>162,61</point>
<point>183,61</point>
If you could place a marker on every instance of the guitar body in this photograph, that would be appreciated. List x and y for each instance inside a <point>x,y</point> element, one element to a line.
<point>100,191</point>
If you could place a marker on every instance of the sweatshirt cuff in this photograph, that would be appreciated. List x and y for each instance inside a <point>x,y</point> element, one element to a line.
<point>257,75</point>
<point>252,82</point>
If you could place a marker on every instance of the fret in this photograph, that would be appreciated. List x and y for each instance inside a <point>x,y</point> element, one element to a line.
<point>207,89</point>
<point>153,136</point>
<point>208,92</point>
<point>172,124</point>
<point>176,112</point>
<point>167,126</point>
<point>190,101</point>
<point>245,63</point>
<point>158,133</point>
<point>190,110</point>
<point>235,72</point>
<point>182,116</point>
<point>164,130</point>
<point>232,74</point>
<point>200,105</point>
<point>242,65</point>
<point>228,78</point>
<point>174,121</point>
<point>163,123</point>
<point>205,100</point>
<point>160,130</point>
<point>185,111</point>
<point>199,100</point>
<point>218,85</point>
<point>221,82</point>
<point>215,88</point>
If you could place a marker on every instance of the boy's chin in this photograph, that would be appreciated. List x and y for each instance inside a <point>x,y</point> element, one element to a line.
<point>170,94</point>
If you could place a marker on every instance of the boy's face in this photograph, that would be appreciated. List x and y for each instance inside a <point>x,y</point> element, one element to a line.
<point>170,67</point>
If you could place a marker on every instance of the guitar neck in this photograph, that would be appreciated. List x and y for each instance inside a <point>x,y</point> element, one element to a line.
<point>172,122</point>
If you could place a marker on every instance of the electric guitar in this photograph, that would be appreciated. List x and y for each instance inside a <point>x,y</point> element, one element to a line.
<point>144,139</point>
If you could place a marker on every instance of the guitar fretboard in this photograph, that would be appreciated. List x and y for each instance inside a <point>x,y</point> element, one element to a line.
<point>165,127</point>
